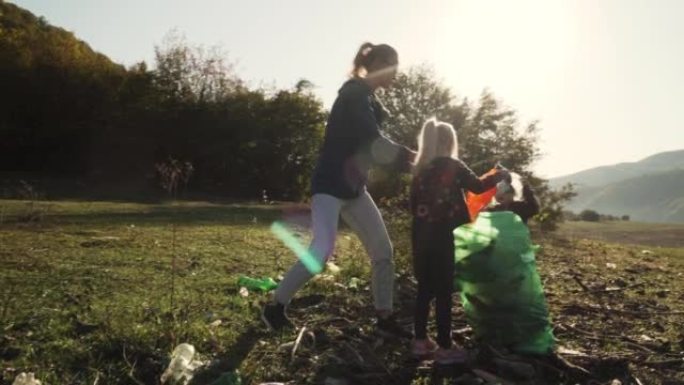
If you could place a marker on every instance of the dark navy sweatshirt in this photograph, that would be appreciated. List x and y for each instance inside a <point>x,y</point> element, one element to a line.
<point>353,143</point>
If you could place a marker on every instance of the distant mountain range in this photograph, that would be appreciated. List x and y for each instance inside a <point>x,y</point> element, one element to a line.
<point>650,190</point>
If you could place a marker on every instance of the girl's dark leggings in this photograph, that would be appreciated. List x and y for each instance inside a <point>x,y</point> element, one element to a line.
<point>433,263</point>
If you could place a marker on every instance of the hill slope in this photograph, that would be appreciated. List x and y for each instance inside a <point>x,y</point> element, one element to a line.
<point>61,91</point>
<point>650,190</point>
<point>651,198</point>
<point>604,175</point>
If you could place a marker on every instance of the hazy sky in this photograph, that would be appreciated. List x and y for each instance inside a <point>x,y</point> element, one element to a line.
<point>603,77</point>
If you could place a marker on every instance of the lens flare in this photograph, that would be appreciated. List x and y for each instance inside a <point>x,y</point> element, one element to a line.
<point>308,260</point>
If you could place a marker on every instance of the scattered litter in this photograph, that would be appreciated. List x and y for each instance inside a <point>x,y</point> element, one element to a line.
<point>646,252</point>
<point>182,366</point>
<point>263,284</point>
<point>354,283</point>
<point>570,352</point>
<point>645,338</point>
<point>296,344</point>
<point>26,379</point>
<point>216,323</point>
<point>244,292</point>
<point>324,277</point>
<point>332,267</point>
<point>611,265</point>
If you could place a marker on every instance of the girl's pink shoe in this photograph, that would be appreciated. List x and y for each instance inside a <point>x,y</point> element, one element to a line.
<point>450,356</point>
<point>423,347</point>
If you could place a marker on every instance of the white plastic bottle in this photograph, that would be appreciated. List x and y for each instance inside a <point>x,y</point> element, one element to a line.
<point>26,379</point>
<point>179,370</point>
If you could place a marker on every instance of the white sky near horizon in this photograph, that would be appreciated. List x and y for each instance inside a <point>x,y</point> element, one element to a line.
<point>603,77</point>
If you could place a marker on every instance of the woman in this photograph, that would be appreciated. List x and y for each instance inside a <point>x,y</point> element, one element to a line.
<point>352,144</point>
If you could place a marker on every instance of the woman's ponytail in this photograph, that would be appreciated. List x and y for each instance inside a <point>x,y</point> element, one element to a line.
<point>361,59</point>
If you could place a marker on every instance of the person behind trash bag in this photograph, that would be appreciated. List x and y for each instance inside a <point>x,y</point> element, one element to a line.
<point>517,197</point>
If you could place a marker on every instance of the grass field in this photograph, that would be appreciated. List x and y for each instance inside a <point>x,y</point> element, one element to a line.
<point>101,292</point>
<point>633,233</point>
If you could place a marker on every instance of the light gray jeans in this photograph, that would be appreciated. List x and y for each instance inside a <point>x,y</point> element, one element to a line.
<point>364,218</point>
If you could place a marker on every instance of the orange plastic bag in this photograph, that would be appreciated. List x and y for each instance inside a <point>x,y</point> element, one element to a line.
<point>477,202</point>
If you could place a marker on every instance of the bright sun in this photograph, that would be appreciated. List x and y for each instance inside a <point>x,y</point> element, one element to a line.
<point>508,44</point>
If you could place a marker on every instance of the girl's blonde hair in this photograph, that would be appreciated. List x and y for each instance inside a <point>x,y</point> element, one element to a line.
<point>436,139</point>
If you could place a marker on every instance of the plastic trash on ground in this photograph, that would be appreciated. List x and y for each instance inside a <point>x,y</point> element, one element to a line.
<point>332,267</point>
<point>182,366</point>
<point>264,284</point>
<point>354,283</point>
<point>26,379</point>
<point>501,291</point>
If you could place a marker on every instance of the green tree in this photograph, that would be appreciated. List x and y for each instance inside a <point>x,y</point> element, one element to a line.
<point>552,202</point>
<point>192,73</point>
<point>224,129</point>
<point>488,132</point>
<point>74,111</point>
<point>63,94</point>
<point>589,216</point>
<point>415,96</point>
<point>491,133</point>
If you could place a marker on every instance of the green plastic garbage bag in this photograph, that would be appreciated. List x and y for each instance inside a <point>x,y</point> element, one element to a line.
<point>501,291</point>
